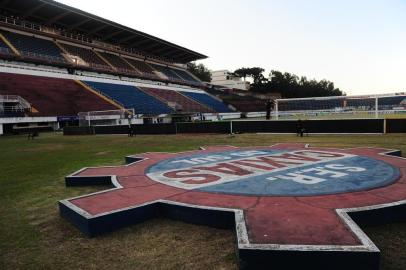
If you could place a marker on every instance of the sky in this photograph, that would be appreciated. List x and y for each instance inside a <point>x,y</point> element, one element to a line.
<point>359,45</point>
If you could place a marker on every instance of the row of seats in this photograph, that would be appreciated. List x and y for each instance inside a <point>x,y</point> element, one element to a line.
<point>4,47</point>
<point>175,74</point>
<point>131,98</point>
<point>153,101</point>
<point>52,96</point>
<point>117,62</point>
<point>385,103</point>
<point>141,66</point>
<point>392,101</point>
<point>248,105</point>
<point>63,97</point>
<point>34,47</point>
<point>38,48</point>
<point>86,55</point>
<point>186,104</point>
<point>166,71</point>
<point>209,101</point>
<point>240,100</point>
<point>185,75</point>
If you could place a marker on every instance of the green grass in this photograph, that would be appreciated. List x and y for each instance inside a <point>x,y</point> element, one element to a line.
<point>33,236</point>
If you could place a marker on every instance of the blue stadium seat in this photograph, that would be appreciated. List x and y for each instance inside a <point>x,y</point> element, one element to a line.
<point>131,98</point>
<point>35,47</point>
<point>117,62</point>
<point>3,45</point>
<point>394,100</point>
<point>209,101</point>
<point>186,76</point>
<point>388,103</point>
<point>167,72</point>
<point>4,49</point>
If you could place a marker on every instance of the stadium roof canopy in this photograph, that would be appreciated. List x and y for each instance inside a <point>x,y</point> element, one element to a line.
<point>49,12</point>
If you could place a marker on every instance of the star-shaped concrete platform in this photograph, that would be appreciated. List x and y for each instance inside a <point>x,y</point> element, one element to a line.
<point>290,205</point>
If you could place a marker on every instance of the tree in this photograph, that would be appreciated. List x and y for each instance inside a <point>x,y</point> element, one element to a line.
<point>256,73</point>
<point>242,73</point>
<point>200,71</point>
<point>291,86</point>
<point>287,84</point>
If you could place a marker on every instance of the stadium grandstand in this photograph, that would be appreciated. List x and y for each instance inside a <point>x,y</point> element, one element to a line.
<point>57,62</point>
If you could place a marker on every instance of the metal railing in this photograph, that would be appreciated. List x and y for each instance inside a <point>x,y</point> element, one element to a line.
<point>39,56</point>
<point>82,38</point>
<point>97,66</point>
<point>19,22</point>
<point>17,99</point>
<point>33,26</point>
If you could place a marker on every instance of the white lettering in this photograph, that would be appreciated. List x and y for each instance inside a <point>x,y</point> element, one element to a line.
<point>196,161</point>
<point>322,171</point>
<point>249,153</point>
<point>344,168</point>
<point>299,178</point>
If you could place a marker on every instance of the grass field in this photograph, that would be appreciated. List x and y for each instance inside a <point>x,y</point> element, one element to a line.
<point>33,236</point>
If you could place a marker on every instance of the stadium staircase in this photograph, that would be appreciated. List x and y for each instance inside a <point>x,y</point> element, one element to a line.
<point>52,96</point>
<point>13,106</point>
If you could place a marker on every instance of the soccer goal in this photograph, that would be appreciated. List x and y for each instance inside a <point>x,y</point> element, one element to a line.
<point>368,106</point>
<point>111,117</point>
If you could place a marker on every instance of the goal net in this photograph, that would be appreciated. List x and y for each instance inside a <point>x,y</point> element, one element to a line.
<point>368,106</point>
<point>111,117</point>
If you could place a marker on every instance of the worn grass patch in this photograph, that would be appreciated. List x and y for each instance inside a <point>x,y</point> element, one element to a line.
<point>33,236</point>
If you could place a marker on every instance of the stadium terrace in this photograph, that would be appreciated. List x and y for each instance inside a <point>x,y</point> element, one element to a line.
<point>58,61</point>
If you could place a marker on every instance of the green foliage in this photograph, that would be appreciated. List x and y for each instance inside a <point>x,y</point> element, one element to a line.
<point>291,86</point>
<point>200,71</point>
<point>287,84</point>
<point>256,73</point>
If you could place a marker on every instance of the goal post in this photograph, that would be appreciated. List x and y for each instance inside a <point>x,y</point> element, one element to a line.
<point>109,117</point>
<point>366,106</point>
